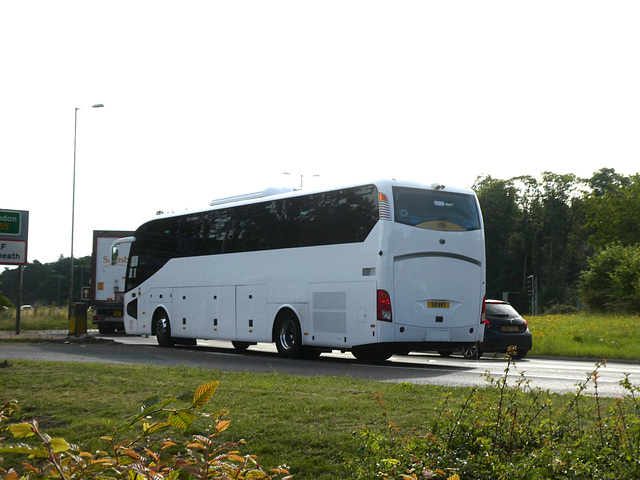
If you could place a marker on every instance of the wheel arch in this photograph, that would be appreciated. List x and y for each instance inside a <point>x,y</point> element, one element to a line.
<point>283,311</point>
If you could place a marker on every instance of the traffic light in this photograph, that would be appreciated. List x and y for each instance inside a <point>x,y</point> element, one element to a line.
<point>530,280</point>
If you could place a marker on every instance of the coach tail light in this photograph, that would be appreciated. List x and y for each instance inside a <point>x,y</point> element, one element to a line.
<point>384,306</point>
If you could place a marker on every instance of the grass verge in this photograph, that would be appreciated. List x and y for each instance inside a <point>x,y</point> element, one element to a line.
<point>306,423</point>
<point>586,336</point>
<point>324,427</point>
<point>40,318</point>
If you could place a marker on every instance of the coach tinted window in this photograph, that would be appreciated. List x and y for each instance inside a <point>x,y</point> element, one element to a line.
<point>435,209</point>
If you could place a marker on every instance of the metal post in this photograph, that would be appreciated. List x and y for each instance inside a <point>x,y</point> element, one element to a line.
<point>73,212</point>
<point>535,295</point>
<point>73,206</point>
<point>18,309</point>
<point>301,178</point>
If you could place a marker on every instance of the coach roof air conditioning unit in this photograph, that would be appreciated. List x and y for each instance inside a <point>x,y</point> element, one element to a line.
<point>268,192</point>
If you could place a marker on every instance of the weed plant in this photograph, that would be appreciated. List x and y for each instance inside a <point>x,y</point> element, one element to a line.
<point>522,433</point>
<point>304,422</point>
<point>136,449</point>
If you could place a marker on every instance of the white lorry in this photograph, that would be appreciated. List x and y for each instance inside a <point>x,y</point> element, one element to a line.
<point>107,280</point>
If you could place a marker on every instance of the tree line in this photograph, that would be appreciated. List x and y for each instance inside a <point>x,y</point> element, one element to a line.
<point>578,239</point>
<point>45,283</point>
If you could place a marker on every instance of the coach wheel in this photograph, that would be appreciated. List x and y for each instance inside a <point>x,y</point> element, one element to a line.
<point>310,353</point>
<point>472,351</point>
<point>370,354</point>
<point>241,346</point>
<point>163,329</point>
<point>288,336</point>
<point>106,328</point>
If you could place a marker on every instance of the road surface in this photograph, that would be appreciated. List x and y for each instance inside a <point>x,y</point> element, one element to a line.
<point>557,375</point>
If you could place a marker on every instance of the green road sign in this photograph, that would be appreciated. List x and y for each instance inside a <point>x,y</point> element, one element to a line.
<point>9,223</point>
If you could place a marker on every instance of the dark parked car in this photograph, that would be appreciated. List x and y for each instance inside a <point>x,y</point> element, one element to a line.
<point>504,327</point>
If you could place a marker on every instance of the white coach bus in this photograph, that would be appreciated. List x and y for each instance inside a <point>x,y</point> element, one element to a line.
<point>376,269</point>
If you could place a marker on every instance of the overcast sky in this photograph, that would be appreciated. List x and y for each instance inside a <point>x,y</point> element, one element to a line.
<point>205,99</point>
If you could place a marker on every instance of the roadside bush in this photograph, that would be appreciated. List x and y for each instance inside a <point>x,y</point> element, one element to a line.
<point>561,310</point>
<point>612,281</point>
<point>127,454</point>
<point>512,437</point>
<point>5,302</point>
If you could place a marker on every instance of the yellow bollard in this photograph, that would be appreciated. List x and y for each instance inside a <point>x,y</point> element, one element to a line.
<point>78,319</point>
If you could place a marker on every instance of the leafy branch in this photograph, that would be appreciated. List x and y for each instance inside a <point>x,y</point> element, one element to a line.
<point>141,455</point>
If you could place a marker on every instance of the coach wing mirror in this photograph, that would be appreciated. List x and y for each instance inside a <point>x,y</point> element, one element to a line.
<point>114,254</point>
<point>115,248</point>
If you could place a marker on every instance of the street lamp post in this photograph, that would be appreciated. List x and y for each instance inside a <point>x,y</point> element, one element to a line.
<point>73,206</point>
<point>301,178</point>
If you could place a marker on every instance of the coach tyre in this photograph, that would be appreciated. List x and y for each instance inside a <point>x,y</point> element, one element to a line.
<point>288,335</point>
<point>162,328</point>
<point>240,346</point>
<point>106,328</point>
<point>371,353</point>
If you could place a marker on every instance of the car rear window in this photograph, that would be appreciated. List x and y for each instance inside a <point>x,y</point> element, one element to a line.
<point>501,310</point>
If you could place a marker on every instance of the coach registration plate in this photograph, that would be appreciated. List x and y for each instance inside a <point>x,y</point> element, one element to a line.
<point>438,304</point>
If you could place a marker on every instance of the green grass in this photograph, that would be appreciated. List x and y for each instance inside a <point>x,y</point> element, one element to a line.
<point>586,336</point>
<point>313,424</point>
<point>307,423</point>
<point>41,318</point>
<point>329,428</point>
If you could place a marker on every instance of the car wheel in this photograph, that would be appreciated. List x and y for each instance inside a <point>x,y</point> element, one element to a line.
<point>163,330</point>
<point>472,352</point>
<point>519,354</point>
